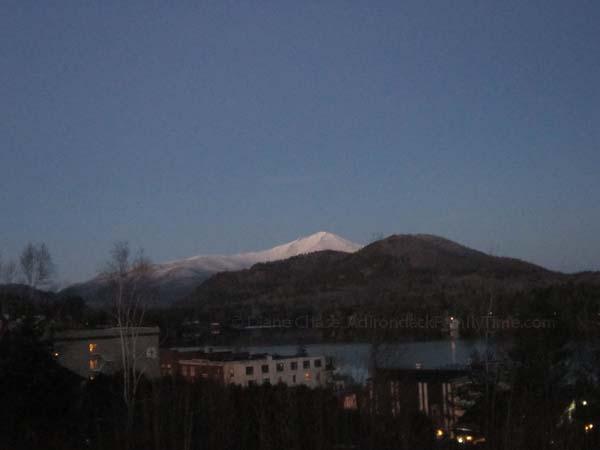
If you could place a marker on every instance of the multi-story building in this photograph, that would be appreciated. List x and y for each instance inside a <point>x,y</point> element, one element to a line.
<point>433,392</point>
<point>247,369</point>
<point>89,352</point>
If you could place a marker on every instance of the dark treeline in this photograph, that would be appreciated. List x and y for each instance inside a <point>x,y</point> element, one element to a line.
<point>46,407</point>
<point>541,397</point>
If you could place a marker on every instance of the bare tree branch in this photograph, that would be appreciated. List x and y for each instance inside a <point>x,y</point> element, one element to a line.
<point>9,272</point>
<point>127,280</point>
<point>36,264</point>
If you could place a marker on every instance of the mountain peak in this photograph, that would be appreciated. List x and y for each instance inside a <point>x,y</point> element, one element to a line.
<point>319,241</point>
<point>178,278</point>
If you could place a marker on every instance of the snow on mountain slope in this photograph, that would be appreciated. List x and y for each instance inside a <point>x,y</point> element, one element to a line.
<point>174,279</point>
<point>220,263</point>
<point>313,243</point>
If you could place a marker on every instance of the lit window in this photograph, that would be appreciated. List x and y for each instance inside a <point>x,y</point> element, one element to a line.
<point>93,364</point>
<point>92,348</point>
<point>307,376</point>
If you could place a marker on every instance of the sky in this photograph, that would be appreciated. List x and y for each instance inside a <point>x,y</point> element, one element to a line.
<point>219,127</point>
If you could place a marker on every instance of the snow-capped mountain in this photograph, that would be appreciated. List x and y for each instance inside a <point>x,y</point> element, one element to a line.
<point>175,279</point>
<point>220,263</point>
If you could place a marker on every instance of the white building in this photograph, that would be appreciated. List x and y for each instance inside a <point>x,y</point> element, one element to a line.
<point>310,371</point>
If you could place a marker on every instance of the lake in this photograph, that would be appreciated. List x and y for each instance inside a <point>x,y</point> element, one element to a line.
<point>355,359</point>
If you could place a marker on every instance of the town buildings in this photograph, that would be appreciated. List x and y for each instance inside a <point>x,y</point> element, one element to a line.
<point>247,369</point>
<point>433,392</point>
<point>89,352</point>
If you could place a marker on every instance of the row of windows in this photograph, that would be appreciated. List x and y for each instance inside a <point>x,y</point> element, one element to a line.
<point>267,380</point>
<point>280,366</point>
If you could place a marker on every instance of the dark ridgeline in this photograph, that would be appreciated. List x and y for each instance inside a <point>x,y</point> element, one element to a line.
<point>394,277</point>
<point>401,264</point>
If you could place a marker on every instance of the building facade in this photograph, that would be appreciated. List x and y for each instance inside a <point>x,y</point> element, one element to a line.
<point>89,352</point>
<point>247,369</point>
<point>435,393</point>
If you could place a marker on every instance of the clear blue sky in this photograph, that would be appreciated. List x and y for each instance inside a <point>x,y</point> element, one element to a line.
<point>218,127</point>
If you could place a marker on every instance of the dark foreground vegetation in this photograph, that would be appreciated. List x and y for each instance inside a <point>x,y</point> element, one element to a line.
<point>46,407</point>
<point>545,395</point>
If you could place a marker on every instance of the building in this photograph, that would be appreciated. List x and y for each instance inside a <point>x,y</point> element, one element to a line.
<point>89,352</point>
<point>246,369</point>
<point>434,392</point>
<point>169,359</point>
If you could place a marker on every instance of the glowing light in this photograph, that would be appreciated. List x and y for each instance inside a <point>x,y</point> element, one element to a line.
<point>439,433</point>
<point>589,427</point>
<point>584,402</point>
<point>460,440</point>
<point>92,348</point>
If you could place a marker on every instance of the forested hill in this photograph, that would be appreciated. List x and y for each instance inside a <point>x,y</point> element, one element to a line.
<point>400,268</point>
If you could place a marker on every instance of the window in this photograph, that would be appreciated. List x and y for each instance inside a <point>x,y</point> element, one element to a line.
<point>92,348</point>
<point>265,368</point>
<point>266,380</point>
<point>184,370</point>
<point>251,383</point>
<point>93,364</point>
<point>249,370</point>
<point>317,363</point>
<point>231,373</point>
<point>192,371</point>
<point>307,376</point>
<point>293,379</point>
<point>280,367</point>
<point>306,364</point>
<point>294,365</point>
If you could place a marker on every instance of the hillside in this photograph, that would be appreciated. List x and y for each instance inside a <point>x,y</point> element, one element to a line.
<point>174,280</point>
<point>394,269</point>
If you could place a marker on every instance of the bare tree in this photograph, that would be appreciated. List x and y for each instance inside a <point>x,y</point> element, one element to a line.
<point>9,272</point>
<point>27,261</point>
<point>36,264</point>
<point>128,297</point>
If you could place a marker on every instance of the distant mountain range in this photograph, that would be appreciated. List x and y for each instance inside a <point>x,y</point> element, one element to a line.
<point>400,269</point>
<point>176,279</point>
<point>324,267</point>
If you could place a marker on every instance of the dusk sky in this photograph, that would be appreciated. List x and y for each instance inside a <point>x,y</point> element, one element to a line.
<point>220,127</point>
